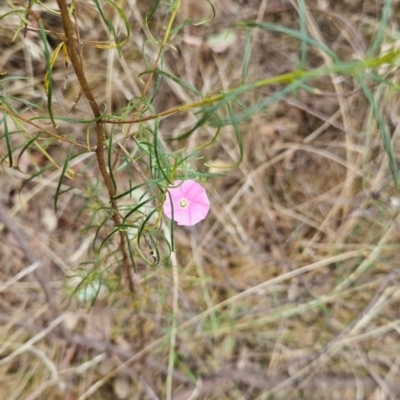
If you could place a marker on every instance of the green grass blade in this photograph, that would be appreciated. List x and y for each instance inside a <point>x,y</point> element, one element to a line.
<point>303,31</point>
<point>383,25</point>
<point>387,143</point>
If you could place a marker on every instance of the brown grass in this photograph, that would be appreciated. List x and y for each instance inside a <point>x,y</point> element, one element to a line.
<point>288,290</point>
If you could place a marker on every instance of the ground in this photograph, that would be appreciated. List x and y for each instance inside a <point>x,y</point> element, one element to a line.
<point>289,289</point>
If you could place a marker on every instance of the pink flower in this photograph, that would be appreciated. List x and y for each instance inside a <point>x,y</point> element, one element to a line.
<point>189,201</point>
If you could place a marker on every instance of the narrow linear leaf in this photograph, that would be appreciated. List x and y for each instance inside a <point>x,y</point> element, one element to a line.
<point>109,161</point>
<point>138,206</point>
<point>141,233</point>
<point>176,30</point>
<point>303,31</point>
<point>158,80</point>
<point>175,79</point>
<point>387,143</point>
<point>66,119</point>
<point>239,138</point>
<point>110,27</point>
<point>172,223</point>
<point>53,58</point>
<point>383,24</point>
<point>39,173</point>
<point>114,231</point>
<point>152,11</point>
<point>49,73</point>
<point>246,56</point>
<point>290,32</point>
<point>131,190</point>
<point>7,137</point>
<point>206,116</point>
<point>131,252</point>
<point>27,145</point>
<point>254,109</point>
<point>157,149</point>
<point>210,142</point>
<point>65,167</point>
<point>210,19</point>
<point>105,220</point>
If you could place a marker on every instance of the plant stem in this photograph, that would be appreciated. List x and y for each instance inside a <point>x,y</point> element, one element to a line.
<point>72,48</point>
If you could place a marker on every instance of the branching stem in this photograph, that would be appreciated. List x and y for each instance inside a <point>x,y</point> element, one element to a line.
<point>73,45</point>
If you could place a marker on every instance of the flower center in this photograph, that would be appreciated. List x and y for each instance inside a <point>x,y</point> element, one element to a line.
<point>183,203</point>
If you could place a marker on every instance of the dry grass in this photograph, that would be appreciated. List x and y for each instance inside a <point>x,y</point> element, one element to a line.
<point>288,290</point>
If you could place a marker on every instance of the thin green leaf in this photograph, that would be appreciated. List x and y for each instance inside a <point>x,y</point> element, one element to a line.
<point>7,137</point>
<point>247,54</point>
<point>157,149</point>
<point>64,170</point>
<point>383,24</point>
<point>207,20</point>
<point>109,160</point>
<point>254,109</point>
<point>27,145</point>
<point>131,252</point>
<point>49,73</point>
<point>114,231</point>
<point>238,134</point>
<point>72,120</point>
<point>290,32</point>
<point>138,206</point>
<point>152,11</point>
<point>175,79</point>
<point>206,116</point>
<point>140,233</point>
<point>110,26</point>
<point>131,190</point>
<point>387,143</point>
<point>172,223</point>
<point>303,31</point>
<point>211,141</point>
<point>39,173</point>
<point>158,81</point>
<point>176,30</point>
<point>105,220</point>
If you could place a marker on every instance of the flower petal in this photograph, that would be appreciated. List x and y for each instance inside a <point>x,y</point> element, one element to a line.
<point>198,206</point>
<point>191,190</point>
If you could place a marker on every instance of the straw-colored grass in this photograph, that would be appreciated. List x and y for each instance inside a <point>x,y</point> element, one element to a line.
<point>288,290</point>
